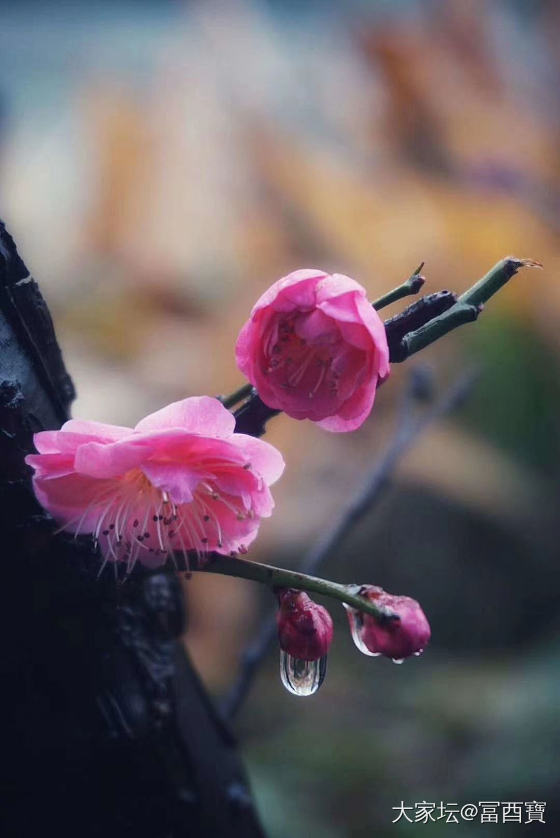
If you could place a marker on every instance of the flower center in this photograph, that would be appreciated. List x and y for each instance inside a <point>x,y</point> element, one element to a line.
<point>133,519</point>
<point>298,364</point>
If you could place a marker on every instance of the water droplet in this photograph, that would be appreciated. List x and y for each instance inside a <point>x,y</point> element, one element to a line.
<point>302,677</point>
<point>397,660</point>
<point>356,619</point>
<point>418,653</point>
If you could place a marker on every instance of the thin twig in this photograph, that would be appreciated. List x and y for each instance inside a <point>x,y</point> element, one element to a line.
<point>411,286</point>
<point>279,577</point>
<point>409,428</point>
<point>234,398</point>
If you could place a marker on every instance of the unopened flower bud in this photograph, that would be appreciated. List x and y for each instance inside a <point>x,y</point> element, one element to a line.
<point>395,638</point>
<point>305,629</point>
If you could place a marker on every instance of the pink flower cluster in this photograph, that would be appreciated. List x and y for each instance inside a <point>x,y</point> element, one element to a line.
<point>315,348</point>
<point>181,480</point>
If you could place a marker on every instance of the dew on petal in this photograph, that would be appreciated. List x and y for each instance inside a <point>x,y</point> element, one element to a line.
<point>397,660</point>
<point>301,677</point>
<point>356,619</point>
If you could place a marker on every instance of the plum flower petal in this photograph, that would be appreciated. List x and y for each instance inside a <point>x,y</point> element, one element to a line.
<point>200,414</point>
<point>97,459</point>
<point>180,481</point>
<point>264,457</point>
<point>94,430</point>
<point>315,348</point>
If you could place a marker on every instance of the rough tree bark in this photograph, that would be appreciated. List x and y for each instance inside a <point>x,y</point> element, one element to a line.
<point>108,729</point>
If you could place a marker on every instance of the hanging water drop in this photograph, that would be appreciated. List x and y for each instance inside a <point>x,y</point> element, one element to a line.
<point>356,619</point>
<point>397,660</point>
<point>418,653</point>
<point>302,677</point>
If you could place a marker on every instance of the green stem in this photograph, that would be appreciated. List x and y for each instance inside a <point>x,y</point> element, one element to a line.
<point>467,307</point>
<point>495,279</point>
<point>277,577</point>
<point>237,396</point>
<point>412,286</point>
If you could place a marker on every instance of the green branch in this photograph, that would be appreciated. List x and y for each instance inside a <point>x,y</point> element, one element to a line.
<point>277,577</point>
<point>468,306</point>
<point>495,279</point>
<point>412,286</point>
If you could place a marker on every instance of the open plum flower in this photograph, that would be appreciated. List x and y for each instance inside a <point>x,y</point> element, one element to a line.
<point>315,348</point>
<point>181,480</point>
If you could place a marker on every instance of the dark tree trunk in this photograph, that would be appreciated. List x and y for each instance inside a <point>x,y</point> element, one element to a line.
<point>108,730</point>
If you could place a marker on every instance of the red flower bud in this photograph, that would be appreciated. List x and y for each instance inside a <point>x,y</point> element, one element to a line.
<point>396,639</point>
<point>305,629</point>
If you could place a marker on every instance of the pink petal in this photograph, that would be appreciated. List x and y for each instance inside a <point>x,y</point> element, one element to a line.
<point>236,481</point>
<point>62,442</point>
<point>354,412</point>
<point>235,533</point>
<point>353,366</point>
<point>336,285</point>
<point>174,478</point>
<point>192,449</point>
<point>343,308</point>
<point>315,326</point>
<point>46,442</point>
<point>270,395</point>
<point>245,348</point>
<point>113,459</point>
<point>69,492</point>
<point>95,430</point>
<point>263,503</point>
<point>266,460</point>
<point>376,327</point>
<point>197,414</point>
<point>296,290</point>
<point>357,335</point>
<point>51,465</point>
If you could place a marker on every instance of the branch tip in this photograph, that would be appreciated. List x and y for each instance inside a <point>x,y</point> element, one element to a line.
<point>524,263</point>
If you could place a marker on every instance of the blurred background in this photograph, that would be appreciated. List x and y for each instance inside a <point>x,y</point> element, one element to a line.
<point>161,163</point>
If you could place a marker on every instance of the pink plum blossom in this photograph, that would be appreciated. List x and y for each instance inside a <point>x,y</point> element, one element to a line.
<point>180,480</point>
<point>315,348</point>
<point>305,629</point>
<point>395,639</point>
